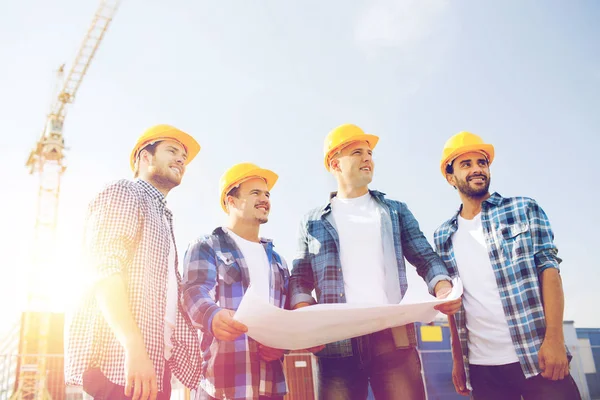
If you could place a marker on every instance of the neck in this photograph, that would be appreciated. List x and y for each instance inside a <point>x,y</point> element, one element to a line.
<point>350,192</point>
<point>472,205</point>
<point>244,230</point>
<point>158,184</point>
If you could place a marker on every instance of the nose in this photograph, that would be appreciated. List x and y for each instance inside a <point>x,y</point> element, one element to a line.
<point>180,160</point>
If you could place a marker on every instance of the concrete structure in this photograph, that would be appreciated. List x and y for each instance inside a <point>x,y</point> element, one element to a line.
<point>588,354</point>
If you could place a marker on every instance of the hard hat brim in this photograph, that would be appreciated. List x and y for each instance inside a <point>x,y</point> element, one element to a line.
<point>269,177</point>
<point>363,137</point>
<point>192,147</point>
<point>485,148</point>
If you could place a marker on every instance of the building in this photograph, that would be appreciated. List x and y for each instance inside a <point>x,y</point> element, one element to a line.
<point>436,358</point>
<point>589,355</point>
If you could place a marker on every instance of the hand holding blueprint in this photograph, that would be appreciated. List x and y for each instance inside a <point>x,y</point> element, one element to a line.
<point>325,323</point>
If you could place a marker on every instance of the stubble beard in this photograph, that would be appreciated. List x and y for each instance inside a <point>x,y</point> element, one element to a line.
<point>162,176</point>
<point>474,193</point>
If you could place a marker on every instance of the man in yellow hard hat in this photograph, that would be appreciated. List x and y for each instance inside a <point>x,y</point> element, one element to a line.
<point>353,250</point>
<point>219,268</point>
<point>507,339</point>
<point>128,333</point>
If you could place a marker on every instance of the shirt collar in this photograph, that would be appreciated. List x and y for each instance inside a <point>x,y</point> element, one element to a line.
<point>152,191</point>
<point>327,208</point>
<point>495,200</point>
<point>221,233</point>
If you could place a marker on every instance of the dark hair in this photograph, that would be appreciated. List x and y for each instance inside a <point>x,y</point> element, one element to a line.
<point>150,148</point>
<point>235,192</point>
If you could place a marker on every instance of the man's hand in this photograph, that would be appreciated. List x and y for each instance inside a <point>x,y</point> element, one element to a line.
<point>442,290</point>
<point>268,353</point>
<point>225,328</point>
<point>553,359</point>
<point>458,377</point>
<point>315,349</point>
<point>140,377</point>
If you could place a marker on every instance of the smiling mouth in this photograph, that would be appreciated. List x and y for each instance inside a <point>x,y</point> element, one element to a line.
<point>480,178</point>
<point>366,169</point>
<point>176,170</point>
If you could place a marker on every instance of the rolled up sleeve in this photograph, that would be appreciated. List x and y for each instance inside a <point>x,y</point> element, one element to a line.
<point>419,252</point>
<point>302,279</point>
<point>111,229</point>
<point>545,251</point>
<point>198,285</point>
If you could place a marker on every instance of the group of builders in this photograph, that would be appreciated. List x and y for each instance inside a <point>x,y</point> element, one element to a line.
<point>140,321</point>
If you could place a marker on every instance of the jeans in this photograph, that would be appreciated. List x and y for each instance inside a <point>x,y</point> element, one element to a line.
<point>507,382</point>
<point>393,373</point>
<point>97,386</point>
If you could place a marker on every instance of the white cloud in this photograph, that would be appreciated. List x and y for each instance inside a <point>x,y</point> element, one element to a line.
<point>400,24</point>
<point>412,36</point>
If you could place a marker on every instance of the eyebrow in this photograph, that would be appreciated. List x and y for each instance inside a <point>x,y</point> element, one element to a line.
<point>260,191</point>
<point>176,149</point>
<point>478,160</point>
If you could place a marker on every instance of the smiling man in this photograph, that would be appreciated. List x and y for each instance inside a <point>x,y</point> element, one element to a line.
<point>507,340</point>
<point>129,332</point>
<point>352,250</point>
<point>219,268</point>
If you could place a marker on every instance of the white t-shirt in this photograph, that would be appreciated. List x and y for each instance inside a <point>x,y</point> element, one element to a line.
<point>489,338</point>
<point>257,262</point>
<point>358,224</point>
<point>172,297</point>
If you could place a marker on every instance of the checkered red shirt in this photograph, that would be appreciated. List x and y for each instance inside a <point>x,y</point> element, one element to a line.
<point>125,234</point>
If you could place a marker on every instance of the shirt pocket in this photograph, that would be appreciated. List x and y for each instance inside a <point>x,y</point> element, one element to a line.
<point>228,270</point>
<point>515,239</point>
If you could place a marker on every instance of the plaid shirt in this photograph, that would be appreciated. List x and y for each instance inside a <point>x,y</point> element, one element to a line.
<point>520,246</point>
<point>215,278</point>
<point>126,234</point>
<point>318,266</point>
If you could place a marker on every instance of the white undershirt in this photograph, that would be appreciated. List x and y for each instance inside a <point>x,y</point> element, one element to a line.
<point>258,264</point>
<point>172,296</point>
<point>358,224</point>
<point>489,338</point>
<point>259,269</point>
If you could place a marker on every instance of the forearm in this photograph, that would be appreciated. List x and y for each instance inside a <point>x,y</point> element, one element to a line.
<point>112,299</point>
<point>454,340</point>
<point>200,307</point>
<point>554,303</point>
<point>301,283</point>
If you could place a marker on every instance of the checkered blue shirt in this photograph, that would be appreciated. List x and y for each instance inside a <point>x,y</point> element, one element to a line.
<point>318,266</point>
<point>215,278</point>
<point>520,246</point>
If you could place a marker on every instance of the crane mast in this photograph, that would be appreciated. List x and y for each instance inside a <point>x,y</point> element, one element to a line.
<point>47,160</point>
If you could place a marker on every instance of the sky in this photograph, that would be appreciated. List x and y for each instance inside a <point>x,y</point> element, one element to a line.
<point>265,82</point>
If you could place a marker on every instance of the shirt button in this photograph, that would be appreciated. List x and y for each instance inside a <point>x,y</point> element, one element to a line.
<point>341,294</point>
<point>339,270</point>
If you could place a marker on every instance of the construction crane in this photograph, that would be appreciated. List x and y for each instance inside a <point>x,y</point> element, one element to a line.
<point>47,160</point>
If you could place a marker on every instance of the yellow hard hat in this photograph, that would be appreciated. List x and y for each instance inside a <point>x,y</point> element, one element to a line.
<point>461,143</point>
<point>343,135</point>
<point>165,132</point>
<point>240,173</point>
